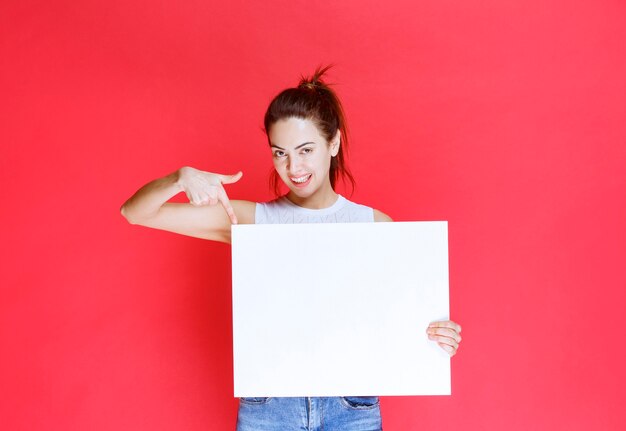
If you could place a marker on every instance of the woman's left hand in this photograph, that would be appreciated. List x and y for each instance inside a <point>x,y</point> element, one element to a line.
<point>447,334</point>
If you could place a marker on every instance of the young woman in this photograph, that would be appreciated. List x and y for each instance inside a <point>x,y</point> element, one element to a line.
<point>306,132</point>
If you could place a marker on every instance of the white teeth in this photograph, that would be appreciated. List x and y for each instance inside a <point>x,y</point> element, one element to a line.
<point>301,179</point>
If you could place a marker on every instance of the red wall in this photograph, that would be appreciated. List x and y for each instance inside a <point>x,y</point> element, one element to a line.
<point>505,118</point>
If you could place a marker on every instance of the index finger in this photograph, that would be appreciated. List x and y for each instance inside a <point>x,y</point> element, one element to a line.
<point>446,324</point>
<point>223,198</point>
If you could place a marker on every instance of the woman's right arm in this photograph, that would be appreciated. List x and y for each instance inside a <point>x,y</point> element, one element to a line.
<point>208,215</point>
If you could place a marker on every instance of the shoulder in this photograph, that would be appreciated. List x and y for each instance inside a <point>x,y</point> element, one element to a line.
<point>381,216</point>
<point>378,216</point>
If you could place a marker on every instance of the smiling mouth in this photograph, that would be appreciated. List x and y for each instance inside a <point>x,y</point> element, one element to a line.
<point>300,180</point>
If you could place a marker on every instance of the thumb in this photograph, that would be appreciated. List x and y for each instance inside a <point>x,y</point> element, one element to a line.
<point>229,179</point>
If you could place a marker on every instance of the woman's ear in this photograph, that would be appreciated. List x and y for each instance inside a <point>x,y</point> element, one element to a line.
<point>335,143</point>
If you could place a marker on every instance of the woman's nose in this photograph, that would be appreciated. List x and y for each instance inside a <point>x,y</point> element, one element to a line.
<point>293,164</point>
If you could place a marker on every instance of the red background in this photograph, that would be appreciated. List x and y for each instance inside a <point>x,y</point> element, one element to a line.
<point>504,118</point>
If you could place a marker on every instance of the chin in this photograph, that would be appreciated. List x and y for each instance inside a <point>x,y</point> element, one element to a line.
<point>301,193</point>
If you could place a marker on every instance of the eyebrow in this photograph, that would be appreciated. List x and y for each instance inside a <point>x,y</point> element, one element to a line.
<point>299,146</point>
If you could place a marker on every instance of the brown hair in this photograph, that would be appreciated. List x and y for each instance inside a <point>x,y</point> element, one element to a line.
<point>314,100</point>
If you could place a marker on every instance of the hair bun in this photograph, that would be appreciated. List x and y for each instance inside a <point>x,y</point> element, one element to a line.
<point>309,85</point>
<point>315,81</point>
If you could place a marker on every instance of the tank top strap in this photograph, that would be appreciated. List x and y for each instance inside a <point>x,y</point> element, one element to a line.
<point>283,211</point>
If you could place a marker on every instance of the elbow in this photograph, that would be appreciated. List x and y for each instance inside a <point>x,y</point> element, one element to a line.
<point>128,215</point>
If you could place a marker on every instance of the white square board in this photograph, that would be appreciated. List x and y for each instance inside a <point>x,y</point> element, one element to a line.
<point>339,309</point>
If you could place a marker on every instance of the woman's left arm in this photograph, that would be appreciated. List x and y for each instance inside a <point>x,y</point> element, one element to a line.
<point>446,333</point>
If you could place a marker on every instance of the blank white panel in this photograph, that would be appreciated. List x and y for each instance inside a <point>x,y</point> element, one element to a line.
<point>339,309</point>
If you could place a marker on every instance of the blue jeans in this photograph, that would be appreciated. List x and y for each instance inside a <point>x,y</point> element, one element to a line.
<point>309,414</point>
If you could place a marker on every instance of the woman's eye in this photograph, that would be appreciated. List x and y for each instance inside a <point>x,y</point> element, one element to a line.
<point>279,153</point>
<point>307,150</point>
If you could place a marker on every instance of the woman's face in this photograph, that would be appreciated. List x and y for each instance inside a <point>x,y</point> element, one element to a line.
<point>302,156</point>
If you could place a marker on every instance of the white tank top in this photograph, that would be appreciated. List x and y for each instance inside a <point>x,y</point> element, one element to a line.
<point>283,211</point>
